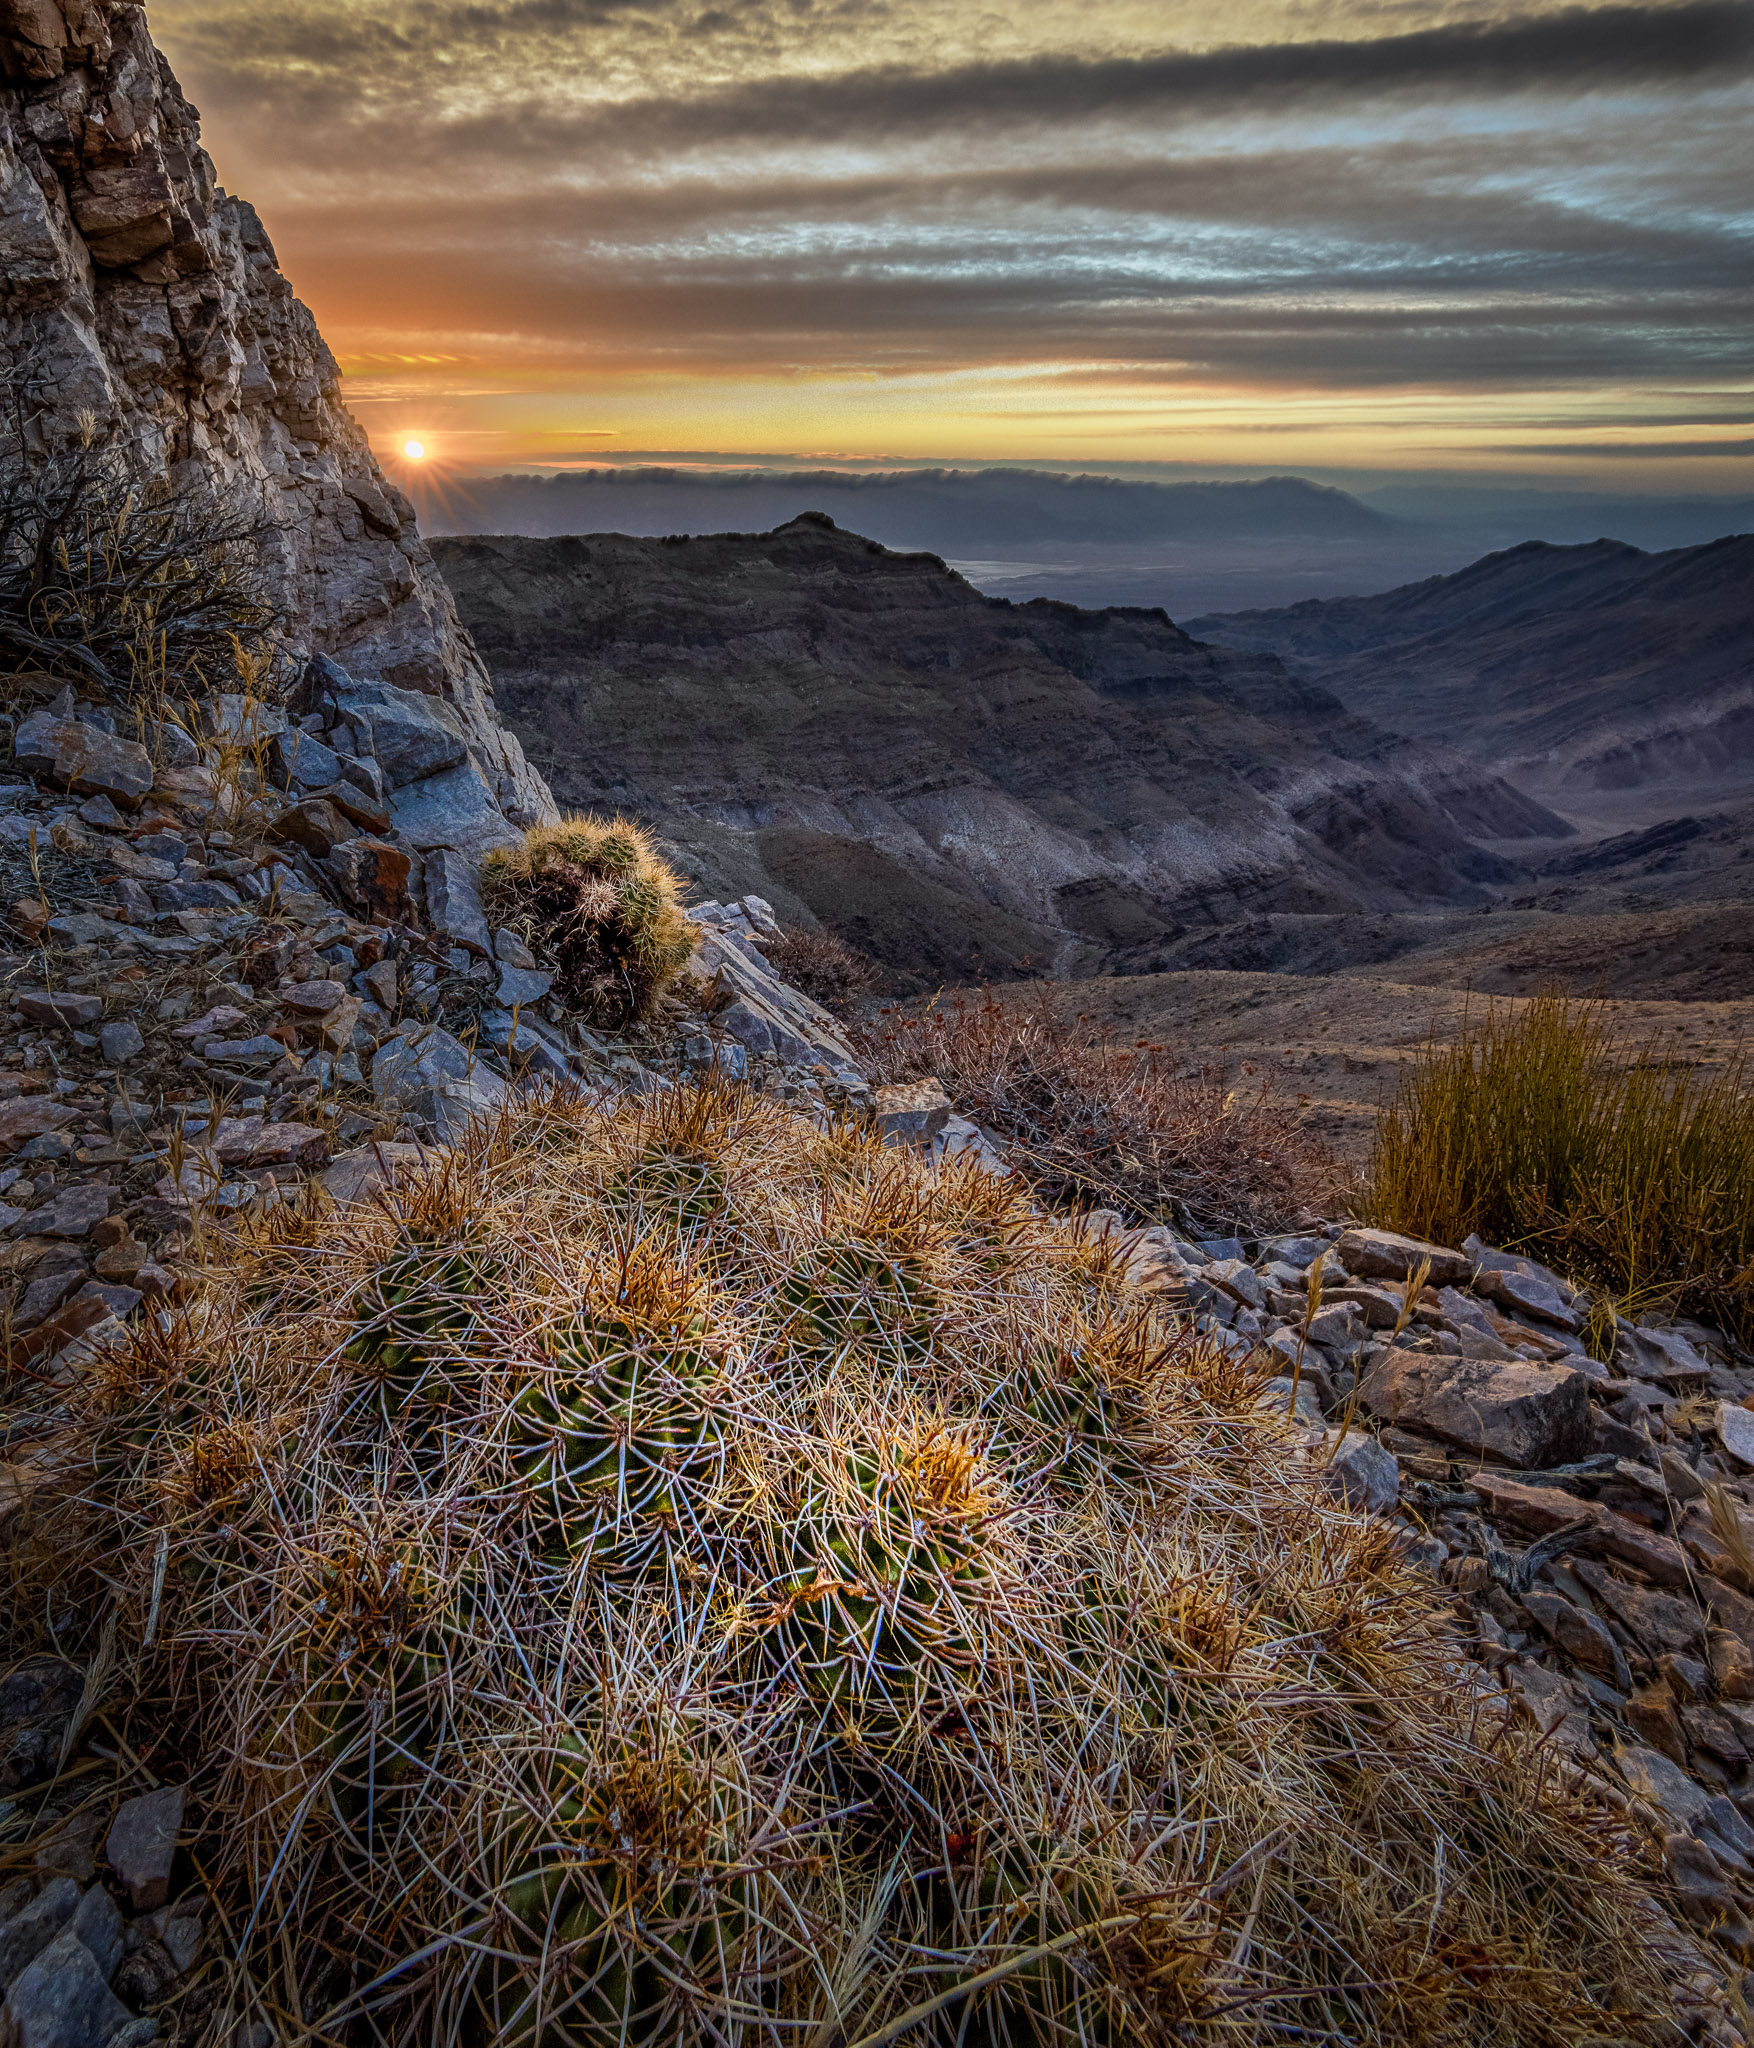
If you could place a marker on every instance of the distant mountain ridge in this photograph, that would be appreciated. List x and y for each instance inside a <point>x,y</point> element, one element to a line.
<point>1589,668</point>
<point>959,783</point>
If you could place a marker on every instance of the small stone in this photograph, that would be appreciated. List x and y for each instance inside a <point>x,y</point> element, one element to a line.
<point>81,758</point>
<point>1735,1428</point>
<point>453,900</point>
<point>223,1017</point>
<point>910,1112</point>
<point>1732,1665</point>
<point>59,1006</point>
<point>243,1051</point>
<point>98,1923</point>
<point>519,985</point>
<point>255,1142</point>
<point>1357,1468</point>
<point>29,1117</point>
<point>74,1211</point>
<point>118,1263</point>
<point>155,1282</point>
<point>45,1295</point>
<point>1528,1294</point>
<point>29,1931</point>
<point>358,806</point>
<point>61,2000</point>
<point>510,949</point>
<point>1383,1255</point>
<point>312,998</point>
<point>1650,1714</point>
<point>380,985</point>
<point>99,812</point>
<point>361,1172</point>
<point>29,917</point>
<point>121,1041</point>
<point>1587,1641</point>
<point>142,1844</point>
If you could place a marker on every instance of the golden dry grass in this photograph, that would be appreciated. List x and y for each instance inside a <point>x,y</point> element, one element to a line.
<point>1548,1128</point>
<point>685,1575</point>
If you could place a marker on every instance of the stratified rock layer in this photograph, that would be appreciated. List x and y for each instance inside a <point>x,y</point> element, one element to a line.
<point>136,293</point>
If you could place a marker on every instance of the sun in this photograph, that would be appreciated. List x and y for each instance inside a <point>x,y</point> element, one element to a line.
<point>414,450</point>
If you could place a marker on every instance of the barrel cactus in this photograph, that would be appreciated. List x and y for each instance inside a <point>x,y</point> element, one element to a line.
<point>600,906</point>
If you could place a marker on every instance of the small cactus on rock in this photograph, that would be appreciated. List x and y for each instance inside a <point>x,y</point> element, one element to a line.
<point>598,904</point>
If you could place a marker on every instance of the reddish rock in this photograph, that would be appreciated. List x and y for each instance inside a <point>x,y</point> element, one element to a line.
<point>31,1116</point>
<point>312,998</point>
<point>315,824</point>
<point>1534,1511</point>
<point>375,877</point>
<point>60,1006</point>
<point>1523,1414</point>
<point>242,1141</point>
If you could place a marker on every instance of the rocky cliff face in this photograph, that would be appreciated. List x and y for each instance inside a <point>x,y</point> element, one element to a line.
<point>958,783</point>
<point>135,292</point>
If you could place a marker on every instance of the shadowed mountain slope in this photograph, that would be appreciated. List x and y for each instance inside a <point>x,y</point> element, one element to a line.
<point>1570,670</point>
<point>958,783</point>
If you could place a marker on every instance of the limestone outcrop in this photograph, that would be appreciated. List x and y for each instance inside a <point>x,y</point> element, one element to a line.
<point>137,294</point>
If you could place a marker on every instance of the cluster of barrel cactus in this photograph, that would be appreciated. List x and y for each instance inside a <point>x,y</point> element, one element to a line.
<point>689,1576</point>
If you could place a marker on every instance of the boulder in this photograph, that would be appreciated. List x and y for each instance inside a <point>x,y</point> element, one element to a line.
<point>1382,1255</point>
<point>455,809</point>
<point>411,736</point>
<point>1520,1414</point>
<point>81,758</point>
<point>314,823</point>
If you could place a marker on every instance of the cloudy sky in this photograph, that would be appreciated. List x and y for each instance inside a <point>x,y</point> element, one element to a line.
<point>1344,237</point>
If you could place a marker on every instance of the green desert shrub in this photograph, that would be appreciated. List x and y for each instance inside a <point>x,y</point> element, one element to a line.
<point>704,1641</point>
<point>1546,1129</point>
<point>598,904</point>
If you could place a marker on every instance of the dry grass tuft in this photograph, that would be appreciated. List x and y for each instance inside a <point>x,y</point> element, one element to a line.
<point>824,966</point>
<point>681,1575</point>
<point>1548,1130</point>
<point>600,906</point>
<point>1095,1120</point>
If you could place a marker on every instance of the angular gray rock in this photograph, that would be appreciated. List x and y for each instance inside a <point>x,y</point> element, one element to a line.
<point>1353,1465</point>
<point>1383,1255</point>
<point>910,1112</point>
<point>121,1042</point>
<point>142,1844</point>
<point>81,758</point>
<point>63,2000</point>
<point>436,1080</point>
<point>519,985</point>
<point>453,900</point>
<point>30,1930</point>
<point>1529,1416</point>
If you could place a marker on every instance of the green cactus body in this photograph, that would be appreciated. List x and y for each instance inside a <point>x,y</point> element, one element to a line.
<point>851,1290</point>
<point>869,1614</point>
<point>417,1319</point>
<point>622,1436</point>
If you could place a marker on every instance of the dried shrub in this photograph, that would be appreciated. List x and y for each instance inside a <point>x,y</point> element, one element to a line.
<point>1545,1128</point>
<point>684,1575</point>
<point>123,586</point>
<point>824,966</point>
<point>1095,1120</point>
<point>594,899</point>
